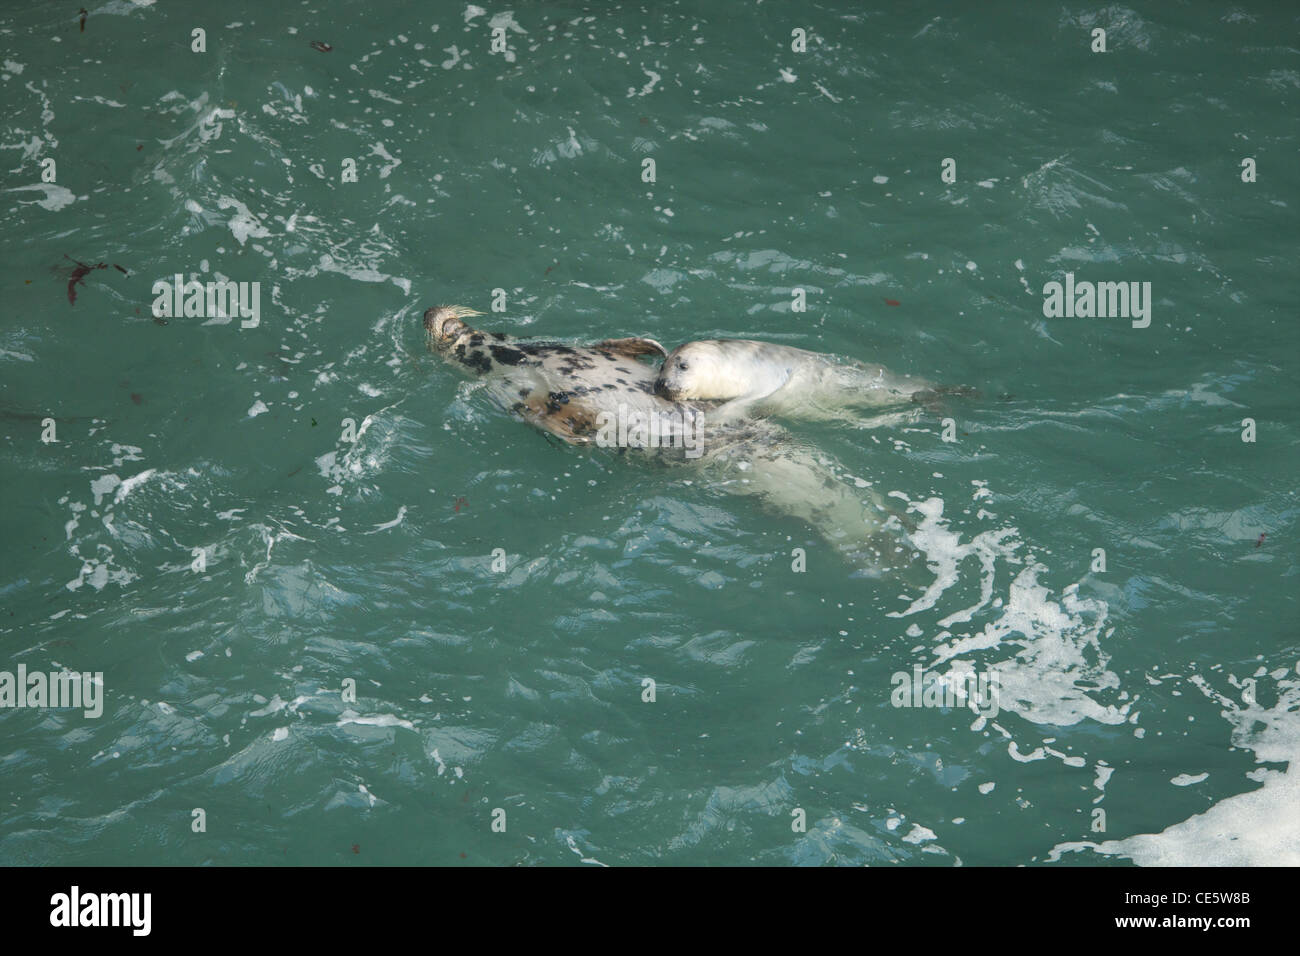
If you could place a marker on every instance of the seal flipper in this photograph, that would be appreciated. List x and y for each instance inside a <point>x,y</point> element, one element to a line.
<point>797,480</point>
<point>633,347</point>
<point>557,415</point>
<point>746,405</point>
<point>927,395</point>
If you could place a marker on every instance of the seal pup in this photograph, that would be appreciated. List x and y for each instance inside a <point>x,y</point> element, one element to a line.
<point>755,378</point>
<point>569,391</point>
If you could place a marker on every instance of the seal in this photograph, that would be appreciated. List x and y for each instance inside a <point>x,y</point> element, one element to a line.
<point>762,378</point>
<point>579,394</point>
<point>573,392</point>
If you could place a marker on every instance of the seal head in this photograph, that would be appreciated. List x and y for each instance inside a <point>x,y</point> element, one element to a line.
<point>716,370</point>
<point>443,323</point>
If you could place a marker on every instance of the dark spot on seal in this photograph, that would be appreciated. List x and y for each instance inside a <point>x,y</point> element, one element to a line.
<point>506,355</point>
<point>475,360</point>
<point>570,361</point>
<point>525,392</point>
<point>620,381</point>
<point>476,339</point>
<point>499,336</point>
<point>625,371</point>
<point>581,424</point>
<point>609,385</point>
<point>555,399</point>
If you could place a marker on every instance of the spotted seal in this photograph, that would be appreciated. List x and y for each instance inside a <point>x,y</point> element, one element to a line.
<point>573,392</point>
<point>570,390</point>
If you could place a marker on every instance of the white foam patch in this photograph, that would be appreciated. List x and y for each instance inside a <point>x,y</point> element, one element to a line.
<point>945,552</point>
<point>401,516</point>
<point>56,197</point>
<point>102,486</point>
<point>327,263</point>
<point>126,487</point>
<point>377,149</point>
<point>270,539</point>
<point>1059,664</point>
<point>1259,828</point>
<point>243,224</point>
<point>919,834</point>
<point>380,720</point>
<point>275,705</point>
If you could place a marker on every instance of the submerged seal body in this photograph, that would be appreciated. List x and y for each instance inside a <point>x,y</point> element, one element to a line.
<point>574,392</point>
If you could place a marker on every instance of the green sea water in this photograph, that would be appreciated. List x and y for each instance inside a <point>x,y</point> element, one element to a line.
<point>1098,532</point>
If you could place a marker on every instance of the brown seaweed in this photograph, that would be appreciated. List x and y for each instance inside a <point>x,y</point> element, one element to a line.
<point>79,275</point>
